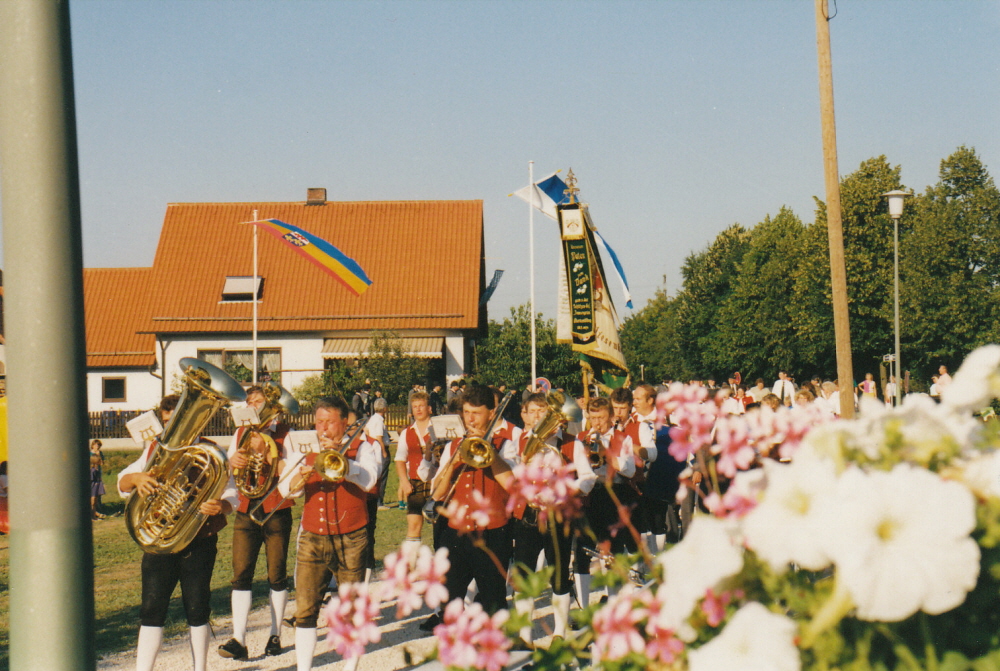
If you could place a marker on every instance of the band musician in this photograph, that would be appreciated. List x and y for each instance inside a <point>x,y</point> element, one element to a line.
<point>556,543</point>
<point>412,451</point>
<point>333,540</point>
<point>613,461</point>
<point>455,480</point>
<point>191,566</point>
<point>644,450</point>
<point>249,535</point>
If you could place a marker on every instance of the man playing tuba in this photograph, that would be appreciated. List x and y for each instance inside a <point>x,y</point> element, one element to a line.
<point>334,537</point>
<point>265,446</point>
<point>191,565</point>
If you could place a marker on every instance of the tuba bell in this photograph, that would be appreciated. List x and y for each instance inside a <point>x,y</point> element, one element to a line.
<point>257,478</point>
<point>187,474</point>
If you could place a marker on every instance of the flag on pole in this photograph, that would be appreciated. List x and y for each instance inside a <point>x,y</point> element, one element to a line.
<point>544,195</point>
<point>331,260</point>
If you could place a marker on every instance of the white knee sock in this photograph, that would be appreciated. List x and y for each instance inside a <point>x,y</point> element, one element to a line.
<point>410,545</point>
<point>242,599</point>
<point>525,606</point>
<point>199,646</point>
<point>471,592</point>
<point>583,589</point>
<point>150,639</point>
<point>305,646</point>
<point>661,542</point>
<point>650,541</point>
<point>560,613</point>
<point>540,562</point>
<point>279,599</point>
<point>368,576</point>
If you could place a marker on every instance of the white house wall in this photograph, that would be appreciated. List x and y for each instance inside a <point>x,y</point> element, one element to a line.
<point>142,390</point>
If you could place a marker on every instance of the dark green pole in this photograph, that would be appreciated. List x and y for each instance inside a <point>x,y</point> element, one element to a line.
<point>51,550</point>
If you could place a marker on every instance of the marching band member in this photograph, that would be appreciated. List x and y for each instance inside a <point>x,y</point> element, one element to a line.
<point>467,561</point>
<point>644,449</point>
<point>529,539</point>
<point>191,566</point>
<point>414,442</point>
<point>249,536</point>
<point>613,455</point>
<point>377,434</point>
<point>333,539</point>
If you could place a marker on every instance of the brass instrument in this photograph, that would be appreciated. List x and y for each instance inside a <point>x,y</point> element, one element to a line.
<point>257,478</point>
<point>559,414</point>
<point>187,474</point>
<point>595,451</point>
<point>472,452</point>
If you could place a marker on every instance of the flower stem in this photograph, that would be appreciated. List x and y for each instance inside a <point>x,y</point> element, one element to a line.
<point>829,615</point>
<point>929,652</point>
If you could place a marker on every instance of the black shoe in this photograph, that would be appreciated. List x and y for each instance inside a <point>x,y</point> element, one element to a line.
<point>431,622</point>
<point>273,647</point>
<point>233,649</point>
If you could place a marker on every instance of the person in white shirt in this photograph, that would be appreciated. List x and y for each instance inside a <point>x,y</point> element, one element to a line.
<point>411,453</point>
<point>783,388</point>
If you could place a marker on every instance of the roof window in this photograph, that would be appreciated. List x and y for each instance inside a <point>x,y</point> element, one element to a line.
<point>240,289</point>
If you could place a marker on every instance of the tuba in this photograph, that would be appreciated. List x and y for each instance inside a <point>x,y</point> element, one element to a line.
<point>187,474</point>
<point>560,412</point>
<point>257,478</point>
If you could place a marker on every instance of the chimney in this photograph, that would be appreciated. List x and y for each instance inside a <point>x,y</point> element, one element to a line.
<point>315,196</point>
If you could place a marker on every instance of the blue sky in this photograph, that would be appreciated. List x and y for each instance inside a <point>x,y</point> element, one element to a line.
<point>679,118</point>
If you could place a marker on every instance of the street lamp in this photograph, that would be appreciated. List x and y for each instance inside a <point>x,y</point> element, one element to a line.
<point>896,211</point>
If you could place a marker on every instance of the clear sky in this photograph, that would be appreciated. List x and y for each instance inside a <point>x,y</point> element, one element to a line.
<point>678,118</point>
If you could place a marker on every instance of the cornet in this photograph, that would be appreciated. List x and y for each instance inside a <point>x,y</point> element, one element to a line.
<point>595,451</point>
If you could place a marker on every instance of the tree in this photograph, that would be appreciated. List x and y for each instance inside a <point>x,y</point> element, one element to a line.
<point>390,368</point>
<point>504,355</point>
<point>951,265</point>
<point>650,342</point>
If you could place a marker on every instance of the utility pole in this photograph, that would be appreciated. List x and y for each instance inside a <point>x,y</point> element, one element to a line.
<point>51,551</point>
<point>834,226</point>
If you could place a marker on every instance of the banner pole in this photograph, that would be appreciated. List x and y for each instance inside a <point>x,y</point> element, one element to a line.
<point>531,262</point>
<point>254,290</point>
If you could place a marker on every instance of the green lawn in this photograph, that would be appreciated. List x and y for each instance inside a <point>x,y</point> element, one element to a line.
<point>116,569</point>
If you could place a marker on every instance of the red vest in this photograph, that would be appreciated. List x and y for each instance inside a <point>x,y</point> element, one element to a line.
<point>332,509</point>
<point>274,498</point>
<point>612,450</point>
<point>566,447</point>
<point>481,480</point>
<point>631,429</point>
<point>414,450</point>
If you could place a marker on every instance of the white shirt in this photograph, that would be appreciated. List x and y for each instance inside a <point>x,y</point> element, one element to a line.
<point>624,464</point>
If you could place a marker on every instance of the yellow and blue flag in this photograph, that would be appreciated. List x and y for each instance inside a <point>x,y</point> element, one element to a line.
<point>317,250</point>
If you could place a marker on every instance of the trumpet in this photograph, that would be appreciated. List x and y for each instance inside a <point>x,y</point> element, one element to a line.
<point>472,452</point>
<point>332,464</point>
<point>595,451</point>
<point>259,475</point>
<point>352,432</point>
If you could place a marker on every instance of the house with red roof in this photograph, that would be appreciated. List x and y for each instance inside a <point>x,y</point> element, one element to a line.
<point>425,260</point>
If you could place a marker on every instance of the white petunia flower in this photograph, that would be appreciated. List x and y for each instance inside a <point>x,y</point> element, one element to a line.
<point>754,640</point>
<point>784,528</point>
<point>980,472</point>
<point>900,541</point>
<point>977,381</point>
<point>707,555</point>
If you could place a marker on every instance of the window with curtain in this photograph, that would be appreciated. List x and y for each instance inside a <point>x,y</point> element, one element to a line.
<point>239,363</point>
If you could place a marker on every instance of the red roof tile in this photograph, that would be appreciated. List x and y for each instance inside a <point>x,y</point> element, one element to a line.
<point>116,308</point>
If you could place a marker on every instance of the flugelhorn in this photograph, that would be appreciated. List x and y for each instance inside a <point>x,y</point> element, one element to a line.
<point>257,478</point>
<point>595,451</point>
<point>472,452</point>
<point>187,475</point>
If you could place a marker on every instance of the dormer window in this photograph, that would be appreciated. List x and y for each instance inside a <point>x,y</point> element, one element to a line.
<point>241,289</point>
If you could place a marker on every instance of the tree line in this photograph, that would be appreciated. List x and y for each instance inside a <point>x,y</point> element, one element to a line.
<point>758,300</point>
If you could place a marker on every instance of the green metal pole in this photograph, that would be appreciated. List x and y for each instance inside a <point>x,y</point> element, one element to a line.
<point>51,546</point>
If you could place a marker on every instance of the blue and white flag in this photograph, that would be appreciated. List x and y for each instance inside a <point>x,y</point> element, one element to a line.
<point>488,293</point>
<point>545,195</point>
<point>618,268</point>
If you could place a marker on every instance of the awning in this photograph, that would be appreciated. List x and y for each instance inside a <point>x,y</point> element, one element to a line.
<point>353,348</point>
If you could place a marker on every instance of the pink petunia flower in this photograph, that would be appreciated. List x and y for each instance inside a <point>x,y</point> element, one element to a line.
<point>615,630</point>
<point>662,644</point>
<point>350,620</point>
<point>429,575</point>
<point>548,484</point>
<point>693,430</point>
<point>468,638</point>
<point>732,444</point>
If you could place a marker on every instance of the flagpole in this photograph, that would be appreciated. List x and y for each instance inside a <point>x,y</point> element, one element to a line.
<point>531,262</point>
<point>253,288</point>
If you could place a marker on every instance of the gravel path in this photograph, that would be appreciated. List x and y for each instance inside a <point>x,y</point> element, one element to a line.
<point>399,638</point>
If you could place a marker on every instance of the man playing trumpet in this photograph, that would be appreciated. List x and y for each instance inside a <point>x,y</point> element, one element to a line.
<point>334,537</point>
<point>249,535</point>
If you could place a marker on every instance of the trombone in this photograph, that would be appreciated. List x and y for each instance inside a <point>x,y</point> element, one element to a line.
<point>352,432</point>
<point>472,452</point>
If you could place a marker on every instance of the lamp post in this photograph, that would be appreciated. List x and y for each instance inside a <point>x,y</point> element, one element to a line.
<point>896,211</point>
